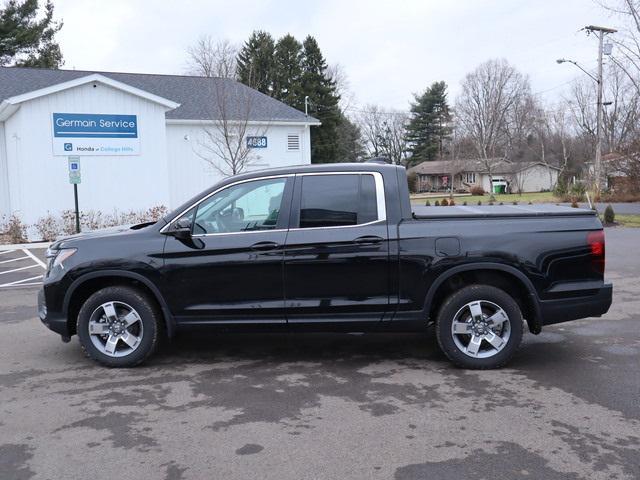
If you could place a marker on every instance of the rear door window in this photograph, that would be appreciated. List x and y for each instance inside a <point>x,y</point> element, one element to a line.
<point>337,200</point>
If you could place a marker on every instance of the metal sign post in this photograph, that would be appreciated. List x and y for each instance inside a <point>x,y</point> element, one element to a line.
<point>75,178</point>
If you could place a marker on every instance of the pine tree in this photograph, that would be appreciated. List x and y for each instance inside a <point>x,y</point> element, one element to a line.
<point>25,39</point>
<point>256,62</point>
<point>429,127</point>
<point>287,76</point>
<point>324,100</point>
<point>349,146</point>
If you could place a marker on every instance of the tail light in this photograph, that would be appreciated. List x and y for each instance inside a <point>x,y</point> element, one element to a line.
<point>596,244</point>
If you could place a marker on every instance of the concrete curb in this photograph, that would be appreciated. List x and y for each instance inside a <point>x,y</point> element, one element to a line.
<point>26,246</point>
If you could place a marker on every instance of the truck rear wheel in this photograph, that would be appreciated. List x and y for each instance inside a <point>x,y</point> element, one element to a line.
<point>479,327</point>
<point>118,326</point>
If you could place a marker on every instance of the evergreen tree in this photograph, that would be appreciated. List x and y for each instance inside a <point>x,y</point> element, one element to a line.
<point>324,100</point>
<point>349,145</point>
<point>287,76</point>
<point>429,127</point>
<point>26,40</point>
<point>256,62</point>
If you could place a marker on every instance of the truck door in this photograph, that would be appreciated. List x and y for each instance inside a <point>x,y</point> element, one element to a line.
<point>337,250</point>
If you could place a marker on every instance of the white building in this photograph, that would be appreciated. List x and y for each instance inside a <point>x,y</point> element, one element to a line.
<point>140,138</point>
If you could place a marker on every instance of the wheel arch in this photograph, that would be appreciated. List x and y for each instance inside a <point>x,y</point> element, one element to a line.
<point>87,284</point>
<point>502,276</point>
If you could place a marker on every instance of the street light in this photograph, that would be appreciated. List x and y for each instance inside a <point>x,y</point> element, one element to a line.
<point>566,60</point>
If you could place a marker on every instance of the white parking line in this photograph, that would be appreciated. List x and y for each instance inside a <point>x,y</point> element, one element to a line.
<point>35,259</point>
<point>18,269</point>
<point>6,251</point>
<point>14,259</point>
<point>20,283</point>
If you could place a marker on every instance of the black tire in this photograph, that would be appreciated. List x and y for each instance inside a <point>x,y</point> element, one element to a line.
<point>457,301</point>
<point>147,311</point>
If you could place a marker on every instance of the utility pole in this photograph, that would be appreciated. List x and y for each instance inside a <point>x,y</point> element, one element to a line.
<point>600,32</point>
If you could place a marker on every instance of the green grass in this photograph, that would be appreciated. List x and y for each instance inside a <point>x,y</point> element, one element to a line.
<point>628,220</point>
<point>539,197</point>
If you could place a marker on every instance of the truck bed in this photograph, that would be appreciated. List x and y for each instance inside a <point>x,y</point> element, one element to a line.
<point>498,211</point>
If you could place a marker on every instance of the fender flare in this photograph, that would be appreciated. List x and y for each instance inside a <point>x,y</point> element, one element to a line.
<point>535,326</point>
<point>168,317</point>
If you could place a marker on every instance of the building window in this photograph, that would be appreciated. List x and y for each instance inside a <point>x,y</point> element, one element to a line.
<point>470,177</point>
<point>293,142</point>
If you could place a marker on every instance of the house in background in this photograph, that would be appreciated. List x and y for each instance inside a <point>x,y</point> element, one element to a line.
<point>438,176</point>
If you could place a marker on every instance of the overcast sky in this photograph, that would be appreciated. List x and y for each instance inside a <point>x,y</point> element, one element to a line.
<point>388,50</point>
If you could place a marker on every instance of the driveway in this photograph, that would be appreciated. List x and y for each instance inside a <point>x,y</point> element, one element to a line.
<point>328,406</point>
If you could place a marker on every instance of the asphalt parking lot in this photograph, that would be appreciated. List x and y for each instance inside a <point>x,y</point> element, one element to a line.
<point>328,406</point>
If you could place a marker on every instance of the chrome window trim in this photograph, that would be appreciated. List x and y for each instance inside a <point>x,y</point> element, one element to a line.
<point>380,199</point>
<point>380,203</point>
<point>269,177</point>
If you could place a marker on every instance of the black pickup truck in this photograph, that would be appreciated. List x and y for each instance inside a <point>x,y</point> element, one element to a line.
<point>328,247</point>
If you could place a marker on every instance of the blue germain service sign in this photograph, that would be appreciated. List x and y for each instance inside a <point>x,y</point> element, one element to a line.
<point>89,134</point>
<point>86,125</point>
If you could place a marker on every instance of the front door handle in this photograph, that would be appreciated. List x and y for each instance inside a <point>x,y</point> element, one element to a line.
<point>368,240</point>
<point>262,246</point>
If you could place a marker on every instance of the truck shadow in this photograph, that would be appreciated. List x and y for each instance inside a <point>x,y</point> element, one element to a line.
<point>293,347</point>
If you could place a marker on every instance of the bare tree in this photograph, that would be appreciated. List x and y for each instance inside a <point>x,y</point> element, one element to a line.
<point>621,119</point>
<point>225,143</point>
<point>370,120</point>
<point>337,74</point>
<point>489,96</point>
<point>210,58</point>
<point>384,132</point>
<point>627,40</point>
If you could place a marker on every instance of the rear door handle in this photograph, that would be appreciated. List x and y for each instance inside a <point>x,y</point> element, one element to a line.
<point>262,246</point>
<point>368,240</point>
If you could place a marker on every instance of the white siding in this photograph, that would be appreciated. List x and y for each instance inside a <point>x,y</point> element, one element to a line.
<point>190,173</point>
<point>5,204</point>
<point>536,179</point>
<point>38,180</point>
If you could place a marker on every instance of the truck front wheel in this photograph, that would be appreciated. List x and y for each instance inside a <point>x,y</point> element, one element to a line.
<point>118,326</point>
<point>479,327</point>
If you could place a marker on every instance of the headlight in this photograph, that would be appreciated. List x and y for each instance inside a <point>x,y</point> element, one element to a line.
<point>57,257</point>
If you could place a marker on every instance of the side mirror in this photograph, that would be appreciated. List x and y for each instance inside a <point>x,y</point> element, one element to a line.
<point>182,229</point>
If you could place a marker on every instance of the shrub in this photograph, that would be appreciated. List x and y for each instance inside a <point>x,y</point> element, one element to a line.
<point>444,203</point>
<point>48,227</point>
<point>427,203</point>
<point>437,204</point>
<point>476,190</point>
<point>452,202</point>
<point>574,204</point>
<point>492,198</point>
<point>12,230</point>
<point>609,215</point>
<point>501,203</point>
<point>515,203</point>
<point>479,202</point>
<point>464,203</point>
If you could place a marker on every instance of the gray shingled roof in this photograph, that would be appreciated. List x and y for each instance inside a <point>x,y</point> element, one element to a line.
<point>200,98</point>
<point>444,167</point>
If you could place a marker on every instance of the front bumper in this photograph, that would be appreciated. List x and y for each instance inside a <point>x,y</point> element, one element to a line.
<point>575,307</point>
<point>54,321</point>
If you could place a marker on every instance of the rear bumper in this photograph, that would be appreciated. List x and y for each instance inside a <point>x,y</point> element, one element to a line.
<point>54,321</point>
<point>593,304</point>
